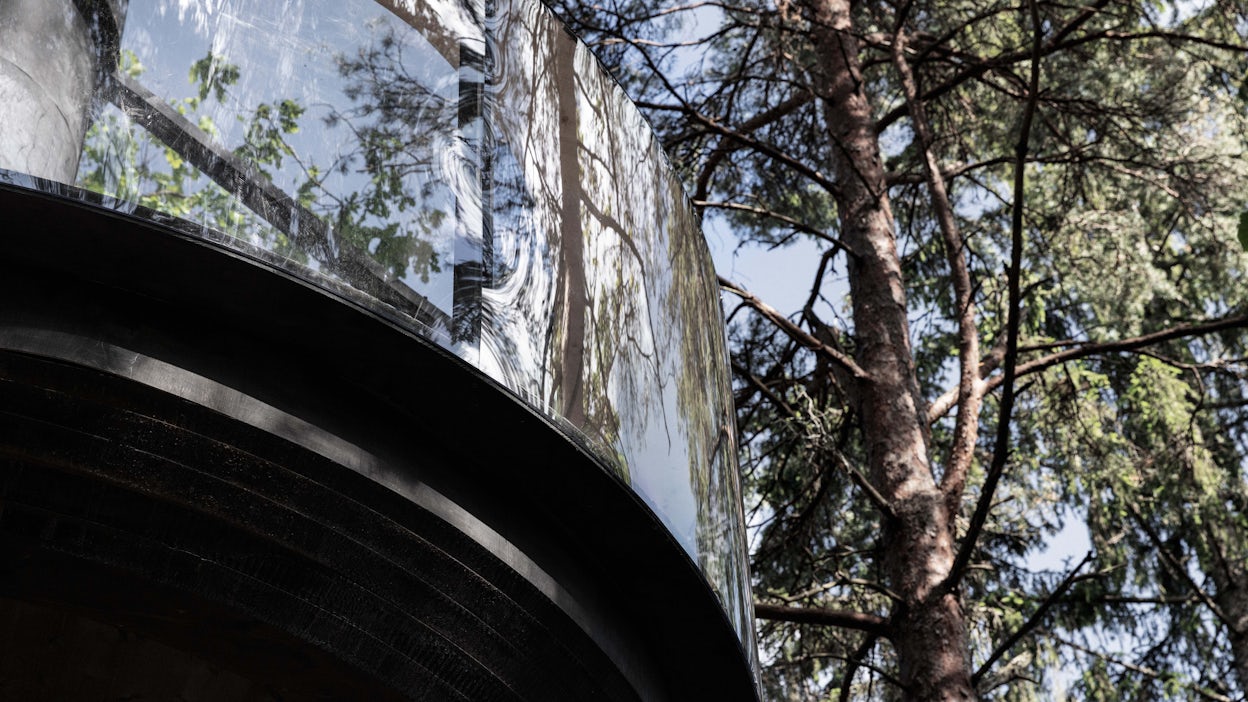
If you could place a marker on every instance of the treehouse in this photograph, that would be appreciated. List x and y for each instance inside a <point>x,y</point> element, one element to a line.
<point>353,349</point>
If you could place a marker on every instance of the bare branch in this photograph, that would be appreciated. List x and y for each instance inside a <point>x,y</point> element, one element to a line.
<point>865,485</point>
<point>838,582</point>
<point>762,387</point>
<point>966,426</point>
<point>854,662</point>
<point>761,147</point>
<point>1169,36</point>
<point>908,178</point>
<point>1130,600</point>
<point>1001,448</point>
<point>796,224</point>
<point>793,331</point>
<point>758,121</point>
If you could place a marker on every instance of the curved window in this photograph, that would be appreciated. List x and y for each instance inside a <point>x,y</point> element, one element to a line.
<point>464,169</point>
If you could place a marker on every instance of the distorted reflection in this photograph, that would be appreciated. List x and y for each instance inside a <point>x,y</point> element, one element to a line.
<point>522,101</point>
<point>605,306</point>
<point>465,166</point>
<point>337,128</point>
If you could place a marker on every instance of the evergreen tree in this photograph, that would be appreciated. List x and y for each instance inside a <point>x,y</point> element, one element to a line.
<point>1029,309</point>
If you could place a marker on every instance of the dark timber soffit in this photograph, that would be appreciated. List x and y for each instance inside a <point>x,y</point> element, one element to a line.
<point>77,268</point>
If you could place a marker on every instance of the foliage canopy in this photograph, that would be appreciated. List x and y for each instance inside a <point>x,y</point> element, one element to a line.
<point>1053,196</point>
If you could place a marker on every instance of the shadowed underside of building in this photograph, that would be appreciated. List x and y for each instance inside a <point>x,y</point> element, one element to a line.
<point>352,350</point>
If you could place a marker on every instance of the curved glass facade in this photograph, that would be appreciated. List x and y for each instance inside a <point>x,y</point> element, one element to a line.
<point>464,169</point>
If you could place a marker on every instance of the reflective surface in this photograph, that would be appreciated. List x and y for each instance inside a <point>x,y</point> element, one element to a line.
<point>468,167</point>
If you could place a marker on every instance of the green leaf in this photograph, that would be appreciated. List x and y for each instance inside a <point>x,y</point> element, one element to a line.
<point>1243,230</point>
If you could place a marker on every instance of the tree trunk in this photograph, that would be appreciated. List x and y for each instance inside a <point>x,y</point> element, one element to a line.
<point>930,634</point>
<point>1230,577</point>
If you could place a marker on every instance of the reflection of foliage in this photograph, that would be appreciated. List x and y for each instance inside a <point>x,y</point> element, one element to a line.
<point>122,160</point>
<point>385,195</point>
<point>401,123</point>
<point>265,142</point>
<point>213,75</point>
<point>652,375</point>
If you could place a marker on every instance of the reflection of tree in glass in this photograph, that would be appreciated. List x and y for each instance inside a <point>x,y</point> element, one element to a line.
<point>526,202</point>
<point>389,193</point>
<point>403,119</point>
<point>651,363</point>
<point>124,161</point>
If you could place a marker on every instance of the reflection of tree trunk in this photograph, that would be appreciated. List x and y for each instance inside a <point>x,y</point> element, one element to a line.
<point>51,54</point>
<point>1230,576</point>
<point>572,295</point>
<point>931,637</point>
<point>430,20</point>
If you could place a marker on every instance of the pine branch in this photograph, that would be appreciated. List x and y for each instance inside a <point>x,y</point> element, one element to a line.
<point>1079,350</point>
<point>859,621</point>
<point>1055,43</point>
<point>881,503</point>
<point>1142,670</point>
<point>1179,571</point>
<point>1036,617</point>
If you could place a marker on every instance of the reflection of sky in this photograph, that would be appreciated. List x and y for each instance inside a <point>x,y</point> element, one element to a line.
<point>288,50</point>
<point>631,269</point>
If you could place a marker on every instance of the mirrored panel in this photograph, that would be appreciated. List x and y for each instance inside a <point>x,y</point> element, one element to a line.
<point>465,169</point>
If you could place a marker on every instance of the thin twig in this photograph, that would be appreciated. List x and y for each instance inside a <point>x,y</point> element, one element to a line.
<point>1034,620</point>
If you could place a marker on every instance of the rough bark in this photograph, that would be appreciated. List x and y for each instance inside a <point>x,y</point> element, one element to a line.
<point>1236,605</point>
<point>918,549</point>
<point>1230,577</point>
